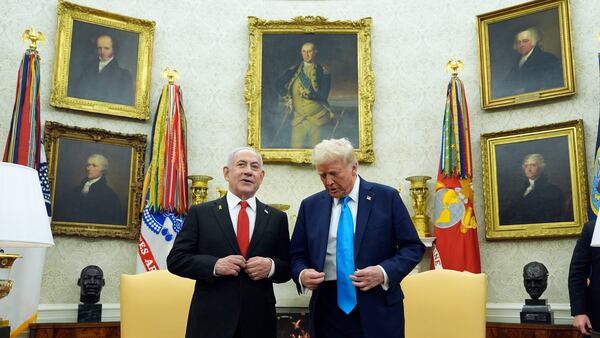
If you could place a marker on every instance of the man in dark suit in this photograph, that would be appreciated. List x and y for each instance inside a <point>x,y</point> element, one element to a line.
<point>235,248</point>
<point>352,245</point>
<point>585,264</point>
<point>92,200</point>
<point>537,201</point>
<point>103,79</point>
<point>533,68</point>
<point>305,89</point>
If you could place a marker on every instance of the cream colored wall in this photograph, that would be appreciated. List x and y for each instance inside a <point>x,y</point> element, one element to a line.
<point>411,41</point>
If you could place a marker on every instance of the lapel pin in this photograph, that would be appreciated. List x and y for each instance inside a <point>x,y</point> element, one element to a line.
<point>266,211</point>
<point>220,207</point>
<point>368,198</point>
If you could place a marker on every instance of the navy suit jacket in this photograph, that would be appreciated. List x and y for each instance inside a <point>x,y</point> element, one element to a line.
<point>384,235</point>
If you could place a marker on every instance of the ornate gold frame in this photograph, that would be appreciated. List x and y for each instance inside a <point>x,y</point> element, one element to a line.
<point>573,130</point>
<point>483,22</point>
<point>309,25</point>
<point>67,12</point>
<point>54,132</point>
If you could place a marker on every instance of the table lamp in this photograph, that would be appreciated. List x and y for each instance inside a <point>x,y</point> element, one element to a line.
<point>24,222</point>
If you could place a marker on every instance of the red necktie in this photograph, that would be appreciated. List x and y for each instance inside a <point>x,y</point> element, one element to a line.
<point>243,228</point>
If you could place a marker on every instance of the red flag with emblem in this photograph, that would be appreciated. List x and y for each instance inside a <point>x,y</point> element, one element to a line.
<point>456,245</point>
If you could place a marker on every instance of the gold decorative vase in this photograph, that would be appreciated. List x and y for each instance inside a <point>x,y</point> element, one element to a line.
<point>418,192</point>
<point>199,188</point>
<point>222,192</point>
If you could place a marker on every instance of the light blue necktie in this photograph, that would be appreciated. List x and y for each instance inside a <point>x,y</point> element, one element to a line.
<point>344,259</point>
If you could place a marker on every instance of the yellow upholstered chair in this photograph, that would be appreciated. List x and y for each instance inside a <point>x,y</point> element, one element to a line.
<point>444,303</point>
<point>155,304</point>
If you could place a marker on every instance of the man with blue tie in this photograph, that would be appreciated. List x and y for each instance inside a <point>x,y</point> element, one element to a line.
<point>352,245</point>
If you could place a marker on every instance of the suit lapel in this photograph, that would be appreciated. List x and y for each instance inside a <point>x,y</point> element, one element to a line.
<point>365,202</point>
<point>260,224</point>
<point>221,210</point>
<point>322,222</point>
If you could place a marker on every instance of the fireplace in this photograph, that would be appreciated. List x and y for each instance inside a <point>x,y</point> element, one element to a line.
<point>292,322</point>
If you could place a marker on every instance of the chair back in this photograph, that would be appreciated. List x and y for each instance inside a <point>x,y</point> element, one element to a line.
<point>445,303</point>
<point>155,304</point>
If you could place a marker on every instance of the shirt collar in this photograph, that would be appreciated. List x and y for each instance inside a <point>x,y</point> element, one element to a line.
<point>90,182</point>
<point>102,64</point>
<point>353,194</point>
<point>233,201</point>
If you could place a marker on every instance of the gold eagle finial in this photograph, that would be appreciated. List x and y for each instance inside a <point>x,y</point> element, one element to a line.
<point>32,35</point>
<point>453,66</point>
<point>171,75</point>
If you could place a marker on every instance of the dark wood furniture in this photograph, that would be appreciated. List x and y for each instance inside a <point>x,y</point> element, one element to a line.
<point>75,330</point>
<point>505,330</point>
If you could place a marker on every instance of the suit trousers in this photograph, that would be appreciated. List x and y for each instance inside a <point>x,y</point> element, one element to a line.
<point>330,320</point>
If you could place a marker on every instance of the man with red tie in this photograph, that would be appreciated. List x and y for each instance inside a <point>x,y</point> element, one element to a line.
<point>235,248</point>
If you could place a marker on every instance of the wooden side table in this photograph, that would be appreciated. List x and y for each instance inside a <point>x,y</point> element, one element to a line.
<point>506,330</point>
<point>75,330</point>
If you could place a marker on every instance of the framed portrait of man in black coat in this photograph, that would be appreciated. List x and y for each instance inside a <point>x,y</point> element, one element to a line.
<point>535,181</point>
<point>309,79</point>
<point>95,177</point>
<point>525,53</point>
<point>102,62</point>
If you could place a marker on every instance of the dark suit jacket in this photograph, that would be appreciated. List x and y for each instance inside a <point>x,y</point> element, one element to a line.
<point>113,84</point>
<point>541,71</point>
<point>219,304</point>
<point>101,205</point>
<point>384,235</point>
<point>544,204</point>
<point>585,299</point>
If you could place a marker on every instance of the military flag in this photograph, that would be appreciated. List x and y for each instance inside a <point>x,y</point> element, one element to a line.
<point>165,185</point>
<point>24,147</point>
<point>456,245</point>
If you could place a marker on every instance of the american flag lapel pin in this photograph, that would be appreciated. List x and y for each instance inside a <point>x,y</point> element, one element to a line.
<point>368,198</point>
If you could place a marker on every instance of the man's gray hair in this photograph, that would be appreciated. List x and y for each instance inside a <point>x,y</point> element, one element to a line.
<point>234,152</point>
<point>331,150</point>
<point>101,160</point>
<point>534,33</point>
<point>537,158</point>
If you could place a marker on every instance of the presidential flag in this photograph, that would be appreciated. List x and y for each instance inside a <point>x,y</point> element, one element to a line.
<point>24,147</point>
<point>165,185</point>
<point>456,245</point>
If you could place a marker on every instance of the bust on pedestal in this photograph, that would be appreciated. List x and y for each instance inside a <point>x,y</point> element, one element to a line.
<point>535,310</point>
<point>91,282</point>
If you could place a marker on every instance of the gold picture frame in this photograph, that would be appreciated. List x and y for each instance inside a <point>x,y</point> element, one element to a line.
<point>122,87</point>
<point>334,99</point>
<point>525,53</point>
<point>113,164</point>
<point>534,181</point>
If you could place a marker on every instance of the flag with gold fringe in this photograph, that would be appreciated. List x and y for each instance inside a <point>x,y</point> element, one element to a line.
<point>23,146</point>
<point>456,244</point>
<point>165,185</point>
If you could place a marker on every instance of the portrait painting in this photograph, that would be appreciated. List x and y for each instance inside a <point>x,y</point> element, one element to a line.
<point>303,86</point>
<point>526,53</point>
<point>95,177</point>
<point>534,181</point>
<point>103,62</point>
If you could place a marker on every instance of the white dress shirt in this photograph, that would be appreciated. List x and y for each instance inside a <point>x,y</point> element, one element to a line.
<point>233,203</point>
<point>88,184</point>
<point>330,259</point>
<point>102,64</point>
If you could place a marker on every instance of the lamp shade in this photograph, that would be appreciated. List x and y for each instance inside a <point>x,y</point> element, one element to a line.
<point>23,218</point>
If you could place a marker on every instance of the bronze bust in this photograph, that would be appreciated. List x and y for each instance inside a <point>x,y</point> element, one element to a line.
<point>535,279</point>
<point>91,282</point>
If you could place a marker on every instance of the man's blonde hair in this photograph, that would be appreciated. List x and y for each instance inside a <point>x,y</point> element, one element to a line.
<point>332,150</point>
<point>100,160</point>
